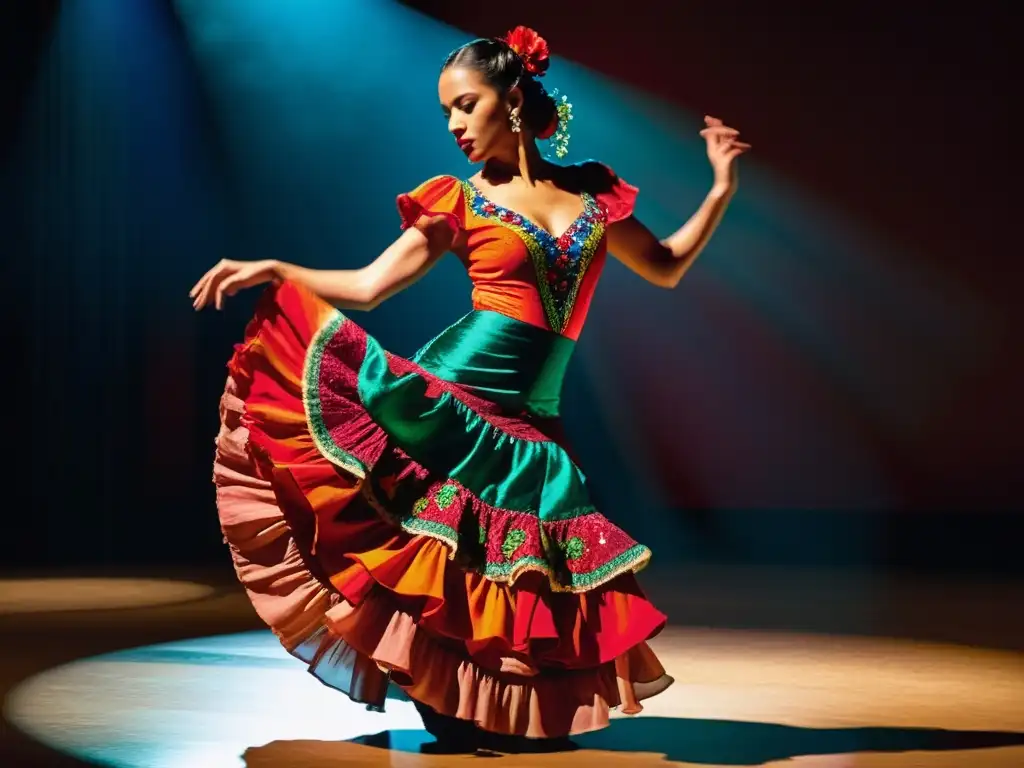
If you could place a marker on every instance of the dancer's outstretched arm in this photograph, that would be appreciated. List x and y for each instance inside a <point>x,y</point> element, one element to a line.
<point>664,262</point>
<point>401,264</point>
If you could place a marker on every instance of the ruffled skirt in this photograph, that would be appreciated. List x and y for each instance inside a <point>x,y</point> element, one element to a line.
<point>395,527</point>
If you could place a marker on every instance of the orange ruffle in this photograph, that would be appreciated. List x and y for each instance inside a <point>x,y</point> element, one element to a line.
<point>361,601</point>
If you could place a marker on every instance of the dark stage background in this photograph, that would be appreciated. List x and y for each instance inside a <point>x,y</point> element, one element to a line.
<point>893,117</point>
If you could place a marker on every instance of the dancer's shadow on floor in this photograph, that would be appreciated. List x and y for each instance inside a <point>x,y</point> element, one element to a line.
<point>661,741</point>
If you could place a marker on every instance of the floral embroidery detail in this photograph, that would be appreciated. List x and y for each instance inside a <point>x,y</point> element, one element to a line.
<point>526,545</point>
<point>513,541</point>
<point>446,495</point>
<point>573,548</point>
<point>560,262</point>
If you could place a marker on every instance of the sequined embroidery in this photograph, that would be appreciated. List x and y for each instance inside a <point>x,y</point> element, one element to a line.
<point>513,541</point>
<point>573,548</point>
<point>577,553</point>
<point>446,495</point>
<point>560,262</point>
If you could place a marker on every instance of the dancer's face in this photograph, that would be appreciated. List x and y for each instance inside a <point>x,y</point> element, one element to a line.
<point>478,115</point>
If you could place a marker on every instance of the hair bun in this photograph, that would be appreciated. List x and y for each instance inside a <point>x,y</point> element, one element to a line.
<point>552,127</point>
<point>531,48</point>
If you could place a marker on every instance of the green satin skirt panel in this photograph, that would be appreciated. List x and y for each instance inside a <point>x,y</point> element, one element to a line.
<point>519,367</point>
<point>514,364</point>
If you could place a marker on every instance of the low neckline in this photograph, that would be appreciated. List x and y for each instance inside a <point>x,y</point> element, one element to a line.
<point>560,262</point>
<point>584,198</point>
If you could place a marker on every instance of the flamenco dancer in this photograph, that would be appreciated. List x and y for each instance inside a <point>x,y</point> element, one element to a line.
<point>422,521</point>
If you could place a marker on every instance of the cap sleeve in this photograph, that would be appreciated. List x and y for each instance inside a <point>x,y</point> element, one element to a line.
<point>439,196</point>
<point>618,197</point>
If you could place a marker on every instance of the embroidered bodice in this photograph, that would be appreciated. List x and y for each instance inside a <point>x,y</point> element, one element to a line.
<point>518,268</point>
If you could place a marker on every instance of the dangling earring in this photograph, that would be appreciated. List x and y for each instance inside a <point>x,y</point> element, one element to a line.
<point>517,124</point>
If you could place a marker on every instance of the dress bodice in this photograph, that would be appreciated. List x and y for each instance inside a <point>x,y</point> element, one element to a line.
<point>517,268</point>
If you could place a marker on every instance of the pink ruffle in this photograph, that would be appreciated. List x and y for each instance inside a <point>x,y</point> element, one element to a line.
<point>269,562</point>
<point>349,646</point>
<point>517,700</point>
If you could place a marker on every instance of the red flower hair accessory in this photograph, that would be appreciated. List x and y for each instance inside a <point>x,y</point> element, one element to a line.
<point>531,48</point>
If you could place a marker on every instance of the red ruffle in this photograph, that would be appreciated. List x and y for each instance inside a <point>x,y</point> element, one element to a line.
<point>436,197</point>
<point>619,198</point>
<point>352,595</point>
<point>411,211</point>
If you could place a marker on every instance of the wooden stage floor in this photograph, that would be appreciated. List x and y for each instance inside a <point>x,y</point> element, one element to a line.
<point>773,668</point>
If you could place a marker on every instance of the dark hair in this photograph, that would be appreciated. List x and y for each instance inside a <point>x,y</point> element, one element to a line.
<point>503,69</point>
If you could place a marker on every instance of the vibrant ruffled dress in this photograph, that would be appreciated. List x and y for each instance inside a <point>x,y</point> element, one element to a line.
<point>421,521</point>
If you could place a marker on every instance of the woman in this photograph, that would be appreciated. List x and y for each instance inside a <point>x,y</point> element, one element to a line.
<point>421,521</point>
